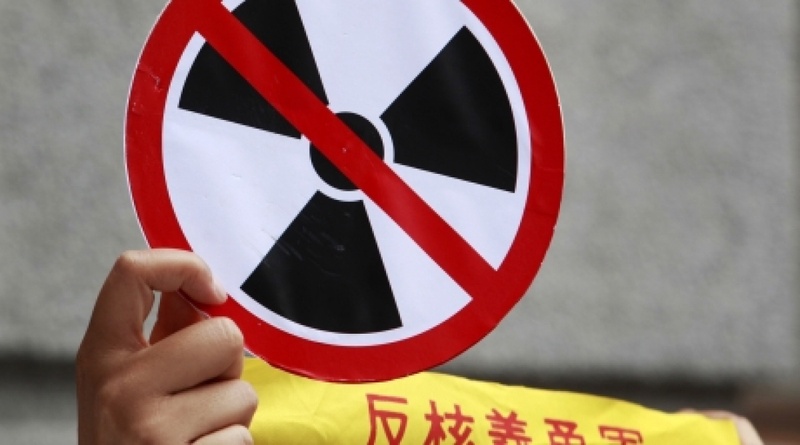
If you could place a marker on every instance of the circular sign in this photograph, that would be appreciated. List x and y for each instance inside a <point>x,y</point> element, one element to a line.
<point>374,183</point>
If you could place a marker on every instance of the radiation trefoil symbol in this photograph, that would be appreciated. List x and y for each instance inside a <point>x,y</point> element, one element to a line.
<point>369,180</point>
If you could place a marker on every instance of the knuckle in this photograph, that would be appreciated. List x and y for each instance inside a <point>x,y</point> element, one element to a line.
<point>247,397</point>
<point>228,334</point>
<point>128,262</point>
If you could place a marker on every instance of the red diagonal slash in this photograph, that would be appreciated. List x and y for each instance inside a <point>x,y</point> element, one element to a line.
<point>298,104</point>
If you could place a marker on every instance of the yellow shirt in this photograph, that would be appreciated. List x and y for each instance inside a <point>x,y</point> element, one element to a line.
<point>436,409</point>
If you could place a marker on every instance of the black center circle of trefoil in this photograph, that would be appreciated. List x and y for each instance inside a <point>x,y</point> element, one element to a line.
<point>367,132</point>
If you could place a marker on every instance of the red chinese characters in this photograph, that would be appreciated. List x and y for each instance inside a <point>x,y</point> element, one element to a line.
<point>460,427</point>
<point>506,430</point>
<point>394,435</point>
<point>389,422</point>
<point>563,432</point>
<point>621,436</point>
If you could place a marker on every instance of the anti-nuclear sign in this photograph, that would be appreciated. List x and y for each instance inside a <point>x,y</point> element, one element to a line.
<point>375,183</point>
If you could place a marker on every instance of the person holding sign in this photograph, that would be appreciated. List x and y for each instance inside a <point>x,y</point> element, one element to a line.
<point>184,384</point>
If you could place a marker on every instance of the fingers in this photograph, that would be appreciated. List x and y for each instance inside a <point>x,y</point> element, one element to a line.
<point>213,347</point>
<point>232,435</point>
<point>182,385</point>
<point>127,295</point>
<point>213,407</point>
<point>178,418</point>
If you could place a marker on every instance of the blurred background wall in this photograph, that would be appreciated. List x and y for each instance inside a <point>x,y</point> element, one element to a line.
<point>675,260</point>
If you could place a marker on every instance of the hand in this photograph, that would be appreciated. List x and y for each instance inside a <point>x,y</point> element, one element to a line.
<point>182,385</point>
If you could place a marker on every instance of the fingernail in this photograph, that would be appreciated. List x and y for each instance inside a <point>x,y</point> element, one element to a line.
<point>220,290</point>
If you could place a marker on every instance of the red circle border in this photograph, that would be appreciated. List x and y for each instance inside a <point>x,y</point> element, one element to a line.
<point>144,125</point>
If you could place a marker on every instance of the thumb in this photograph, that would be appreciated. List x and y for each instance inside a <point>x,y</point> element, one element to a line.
<point>127,295</point>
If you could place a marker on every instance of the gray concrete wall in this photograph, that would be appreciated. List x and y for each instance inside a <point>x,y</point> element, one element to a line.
<point>677,247</point>
<point>65,69</point>
<point>676,251</point>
